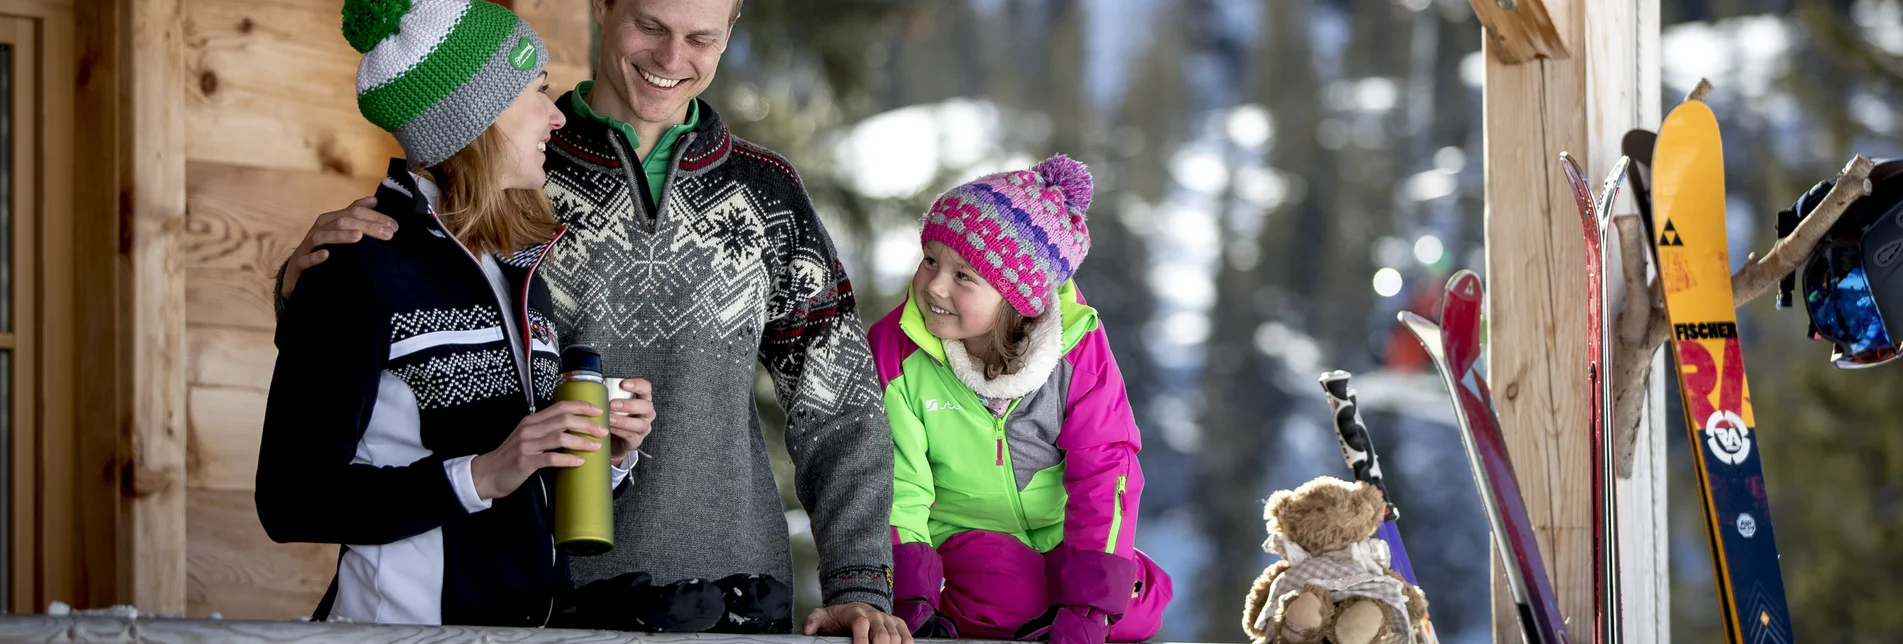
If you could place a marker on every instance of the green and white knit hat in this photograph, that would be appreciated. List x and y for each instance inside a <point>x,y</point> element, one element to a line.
<point>436,73</point>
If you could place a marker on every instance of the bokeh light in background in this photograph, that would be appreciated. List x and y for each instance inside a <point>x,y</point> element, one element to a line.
<point>1428,250</point>
<point>1387,282</point>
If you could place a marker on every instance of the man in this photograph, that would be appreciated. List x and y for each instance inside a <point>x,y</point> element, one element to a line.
<point>689,255</point>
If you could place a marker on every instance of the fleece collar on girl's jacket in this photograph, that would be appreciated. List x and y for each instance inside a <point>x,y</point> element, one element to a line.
<point>1044,346</point>
<point>1076,317</point>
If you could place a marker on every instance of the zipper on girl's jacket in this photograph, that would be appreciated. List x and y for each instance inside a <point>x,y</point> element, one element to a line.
<point>1116,514</point>
<point>1010,479</point>
<point>1000,436</point>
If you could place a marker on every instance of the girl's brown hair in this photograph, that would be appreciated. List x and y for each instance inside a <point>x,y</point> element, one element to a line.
<point>1004,348</point>
<point>479,211</point>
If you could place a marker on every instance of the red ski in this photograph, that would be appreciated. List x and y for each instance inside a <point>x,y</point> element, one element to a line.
<point>1455,349</point>
<point>1595,216</point>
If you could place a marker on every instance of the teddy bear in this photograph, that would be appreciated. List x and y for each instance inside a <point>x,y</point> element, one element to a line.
<point>1333,583</point>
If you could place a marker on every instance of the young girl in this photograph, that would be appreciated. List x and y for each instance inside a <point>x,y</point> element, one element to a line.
<point>1016,476</point>
<point>403,415</point>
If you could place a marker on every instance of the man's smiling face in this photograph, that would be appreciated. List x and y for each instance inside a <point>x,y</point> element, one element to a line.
<point>660,54</point>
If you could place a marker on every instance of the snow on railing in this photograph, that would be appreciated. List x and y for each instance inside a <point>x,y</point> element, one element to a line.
<point>126,624</point>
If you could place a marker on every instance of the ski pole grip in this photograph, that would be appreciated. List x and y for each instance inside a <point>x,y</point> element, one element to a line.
<point>1357,447</point>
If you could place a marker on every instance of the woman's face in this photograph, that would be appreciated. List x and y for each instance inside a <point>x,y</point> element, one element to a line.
<point>525,128</point>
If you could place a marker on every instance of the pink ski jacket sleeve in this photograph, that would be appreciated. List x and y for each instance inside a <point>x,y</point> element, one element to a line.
<point>1101,441</point>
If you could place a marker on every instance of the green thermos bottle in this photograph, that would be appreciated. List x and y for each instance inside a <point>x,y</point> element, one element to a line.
<point>584,505</point>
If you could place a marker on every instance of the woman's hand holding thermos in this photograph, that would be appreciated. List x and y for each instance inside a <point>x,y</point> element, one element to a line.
<point>537,443</point>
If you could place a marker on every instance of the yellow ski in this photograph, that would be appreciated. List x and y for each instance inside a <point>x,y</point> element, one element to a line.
<point>1688,194</point>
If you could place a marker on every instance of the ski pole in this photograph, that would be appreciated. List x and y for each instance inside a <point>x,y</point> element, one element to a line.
<point>1357,447</point>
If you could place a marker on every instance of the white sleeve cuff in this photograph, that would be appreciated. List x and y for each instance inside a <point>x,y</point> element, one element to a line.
<point>619,473</point>
<point>464,482</point>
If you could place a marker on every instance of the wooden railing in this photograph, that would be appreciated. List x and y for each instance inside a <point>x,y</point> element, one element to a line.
<point>140,628</point>
<point>97,628</point>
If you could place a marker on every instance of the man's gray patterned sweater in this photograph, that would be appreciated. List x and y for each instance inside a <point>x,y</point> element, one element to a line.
<point>735,268</point>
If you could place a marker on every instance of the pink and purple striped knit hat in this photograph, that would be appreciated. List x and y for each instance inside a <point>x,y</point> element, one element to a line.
<point>1023,231</point>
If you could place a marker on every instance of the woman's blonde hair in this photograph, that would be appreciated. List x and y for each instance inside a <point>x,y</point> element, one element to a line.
<point>481,213</point>
<point>1005,343</point>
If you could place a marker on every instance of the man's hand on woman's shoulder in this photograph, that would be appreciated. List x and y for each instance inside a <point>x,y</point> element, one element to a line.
<point>346,226</point>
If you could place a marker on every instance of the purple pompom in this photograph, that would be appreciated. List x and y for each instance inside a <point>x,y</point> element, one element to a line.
<point>1070,177</point>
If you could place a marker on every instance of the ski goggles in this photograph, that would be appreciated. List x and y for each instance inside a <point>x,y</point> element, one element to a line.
<point>1848,282</point>
<point>1843,310</point>
<point>1852,281</point>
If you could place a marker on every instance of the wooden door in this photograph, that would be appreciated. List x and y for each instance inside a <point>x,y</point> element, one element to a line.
<point>39,524</point>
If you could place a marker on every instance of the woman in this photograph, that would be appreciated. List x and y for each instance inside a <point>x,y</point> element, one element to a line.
<point>409,417</point>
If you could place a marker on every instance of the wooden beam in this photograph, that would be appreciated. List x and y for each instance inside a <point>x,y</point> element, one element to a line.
<point>1621,49</point>
<point>97,267</point>
<point>33,535</point>
<point>1582,103</point>
<point>1536,307</point>
<point>154,106</point>
<point>37,8</point>
<point>61,491</point>
<point>1519,31</point>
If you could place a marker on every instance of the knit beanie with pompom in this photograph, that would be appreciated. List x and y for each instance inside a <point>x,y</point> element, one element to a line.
<point>1023,231</point>
<point>437,73</point>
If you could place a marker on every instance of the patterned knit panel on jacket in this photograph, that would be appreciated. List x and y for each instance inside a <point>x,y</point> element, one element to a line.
<point>738,271</point>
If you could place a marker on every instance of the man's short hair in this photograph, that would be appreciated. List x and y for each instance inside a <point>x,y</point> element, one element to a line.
<point>731,20</point>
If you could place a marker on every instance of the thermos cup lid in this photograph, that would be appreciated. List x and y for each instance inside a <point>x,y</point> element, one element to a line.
<point>580,357</point>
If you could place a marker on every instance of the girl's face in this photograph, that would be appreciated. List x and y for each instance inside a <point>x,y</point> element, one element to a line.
<point>525,128</point>
<point>956,302</point>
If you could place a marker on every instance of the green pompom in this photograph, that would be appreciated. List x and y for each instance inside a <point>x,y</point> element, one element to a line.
<point>368,22</point>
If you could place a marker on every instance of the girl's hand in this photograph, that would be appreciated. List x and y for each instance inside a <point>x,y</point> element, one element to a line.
<point>537,443</point>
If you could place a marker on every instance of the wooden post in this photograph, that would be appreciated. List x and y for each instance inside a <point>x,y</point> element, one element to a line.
<point>1604,83</point>
<point>153,535</point>
<point>98,274</point>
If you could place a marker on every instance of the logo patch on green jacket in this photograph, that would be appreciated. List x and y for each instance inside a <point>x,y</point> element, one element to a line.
<point>522,57</point>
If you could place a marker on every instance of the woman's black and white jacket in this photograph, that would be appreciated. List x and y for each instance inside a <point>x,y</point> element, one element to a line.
<point>398,362</point>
